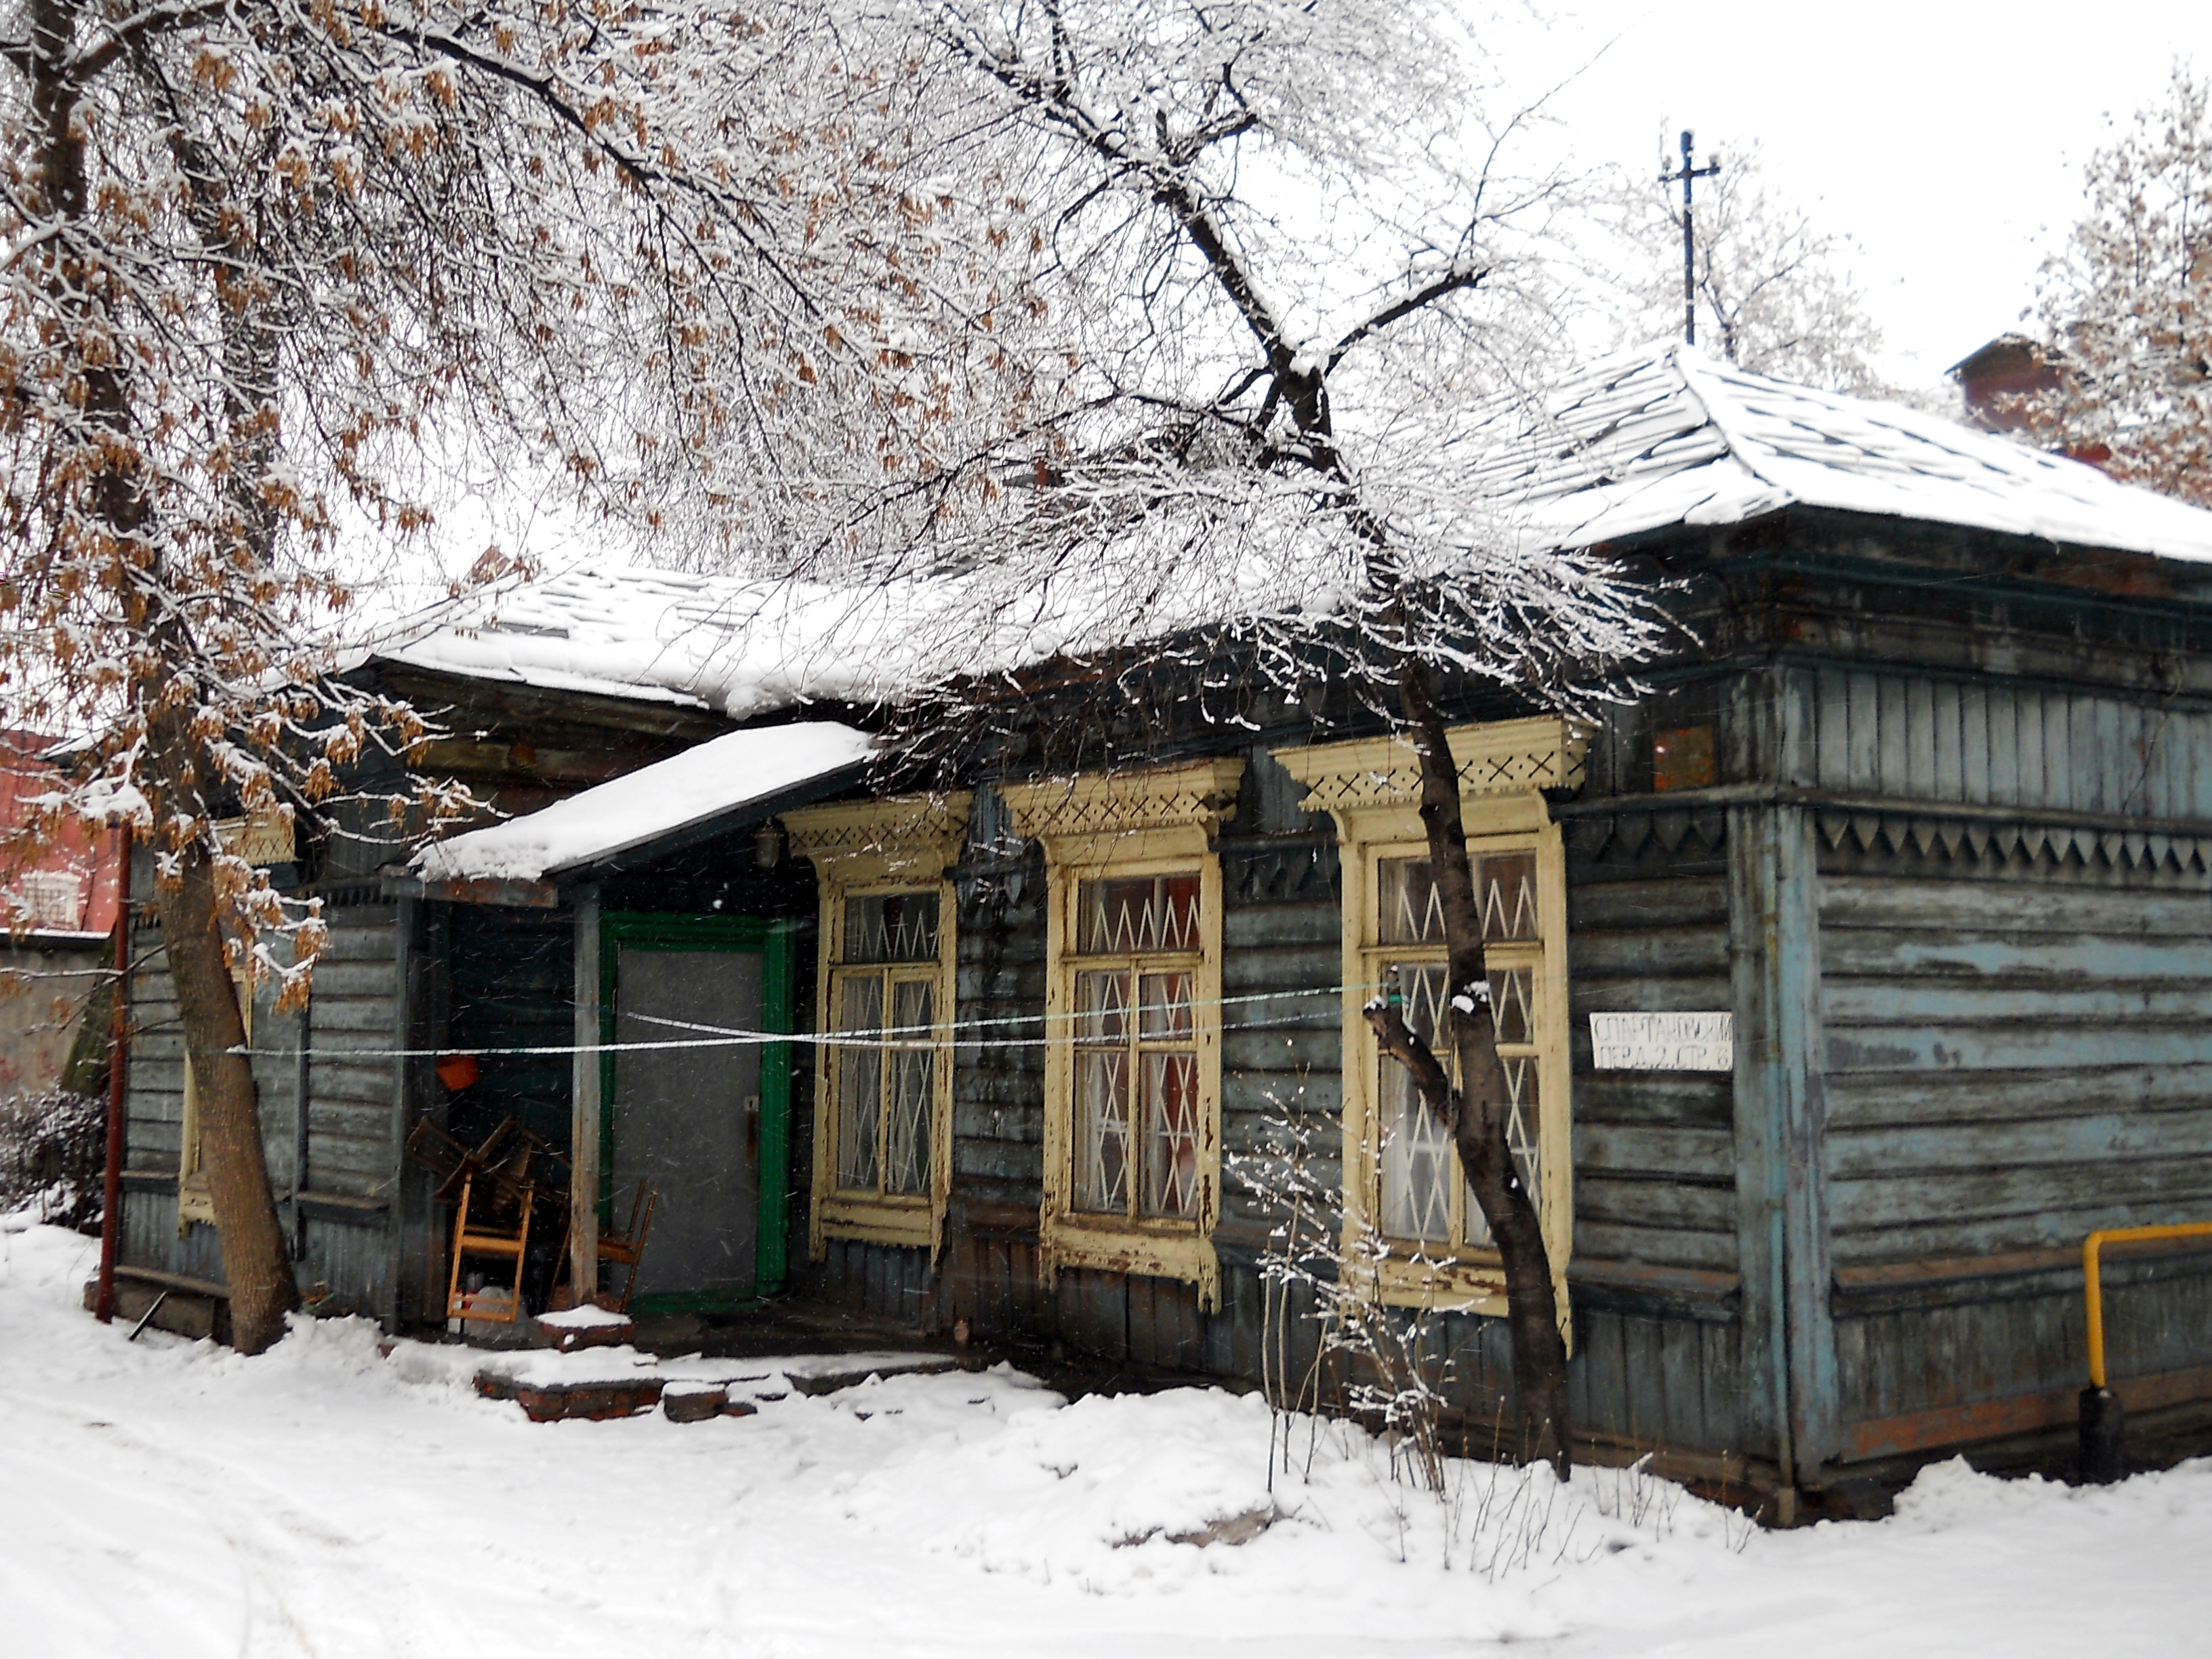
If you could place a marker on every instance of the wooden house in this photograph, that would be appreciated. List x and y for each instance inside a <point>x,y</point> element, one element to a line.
<point>1853,968</point>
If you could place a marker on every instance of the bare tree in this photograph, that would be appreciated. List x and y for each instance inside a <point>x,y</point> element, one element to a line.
<point>262,261</point>
<point>1775,292</point>
<point>2127,306</point>
<point>1295,280</point>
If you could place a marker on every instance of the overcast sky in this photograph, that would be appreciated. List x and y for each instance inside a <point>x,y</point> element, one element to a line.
<point>1946,138</point>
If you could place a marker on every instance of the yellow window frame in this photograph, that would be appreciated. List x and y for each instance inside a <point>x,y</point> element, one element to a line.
<point>1158,821</point>
<point>1371,787</point>
<point>864,849</point>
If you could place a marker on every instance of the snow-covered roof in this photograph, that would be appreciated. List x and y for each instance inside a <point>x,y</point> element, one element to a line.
<point>738,647</point>
<point>1664,435</point>
<point>762,769</point>
<point>1647,439</point>
<point>615,631</point>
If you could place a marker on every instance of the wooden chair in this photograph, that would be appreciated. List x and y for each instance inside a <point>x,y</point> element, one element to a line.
<point>483,1233</point>
<point>493,1188</point>
<point>624,1249</point>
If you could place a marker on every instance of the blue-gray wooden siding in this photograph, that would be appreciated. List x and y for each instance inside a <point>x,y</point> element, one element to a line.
<point>2010,1031</point>
<point>340,1218</point>
<point>1652,1367</point>
<point>2014,1033</point>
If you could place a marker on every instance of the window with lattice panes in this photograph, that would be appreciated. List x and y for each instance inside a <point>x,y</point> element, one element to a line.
<point>883,992</point>
<point>50,898</point>
<point>1424,1202</point>
<point>1138,1119</point>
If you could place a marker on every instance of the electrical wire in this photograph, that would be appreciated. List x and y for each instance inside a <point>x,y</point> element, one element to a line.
<point>730,1036</point>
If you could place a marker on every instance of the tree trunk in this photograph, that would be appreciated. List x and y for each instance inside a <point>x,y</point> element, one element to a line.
<point>256,1263</point>
<point>177,771</point>
<point>1478,1116</point>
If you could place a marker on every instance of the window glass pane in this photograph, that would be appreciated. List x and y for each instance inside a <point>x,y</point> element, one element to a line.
<point>1102,1006</point>
<point>910,1088</point>
<point>1171,1135</point>
<point>906,1126</point>
<point>1408,911</point>
<point>860,1078</point>
<point>1507,884</point>
<point>1423,985</point>
<point>1164,1013</point>
<point>1125,915</point>
<point>1416,1152</point>
<point>891,928</point>
<point>1416,1162</point>
<point>1102,1130</point>
<point>913,1002</point>
<point>1509,1004</point>
<point>1523,1130</point>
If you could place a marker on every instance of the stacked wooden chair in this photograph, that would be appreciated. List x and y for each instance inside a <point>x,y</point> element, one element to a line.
<point>493,1188</point>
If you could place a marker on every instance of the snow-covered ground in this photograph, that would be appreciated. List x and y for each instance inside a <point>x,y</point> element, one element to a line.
<point>168,1497</point>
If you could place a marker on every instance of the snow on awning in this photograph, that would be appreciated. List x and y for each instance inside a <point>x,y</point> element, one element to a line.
<point>724,783</point>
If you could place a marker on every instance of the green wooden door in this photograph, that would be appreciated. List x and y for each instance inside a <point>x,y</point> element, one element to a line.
<point>704,1120</point>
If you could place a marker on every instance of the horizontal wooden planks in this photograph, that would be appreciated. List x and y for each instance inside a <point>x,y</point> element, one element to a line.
<point>154,1107</point>
<point>1654,1152</point>
<point>352,1012</point>
<point>998,1077</point>
<point>2010,1065</point>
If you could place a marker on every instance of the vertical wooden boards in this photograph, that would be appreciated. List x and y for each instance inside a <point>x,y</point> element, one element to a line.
<point>584,1103</point>
<point>1788,1340</point>
<point>1939,738</point>
<point>398,1232</point>
<point>898,1282</point>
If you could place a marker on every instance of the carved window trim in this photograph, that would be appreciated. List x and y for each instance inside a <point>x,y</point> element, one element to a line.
<point>1371,787</point>
<point>1158,821</point>
<point>195,1197</point>
<point>862,849</point>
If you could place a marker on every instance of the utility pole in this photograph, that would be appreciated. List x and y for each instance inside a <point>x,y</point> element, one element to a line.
<point>1689,238</point>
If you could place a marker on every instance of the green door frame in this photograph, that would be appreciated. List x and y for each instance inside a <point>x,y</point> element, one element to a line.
<point>775,942</point>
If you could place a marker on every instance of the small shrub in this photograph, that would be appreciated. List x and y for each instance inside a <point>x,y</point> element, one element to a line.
<point>53,1151</point>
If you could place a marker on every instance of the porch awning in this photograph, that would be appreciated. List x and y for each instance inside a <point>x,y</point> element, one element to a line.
<point>724,784</point>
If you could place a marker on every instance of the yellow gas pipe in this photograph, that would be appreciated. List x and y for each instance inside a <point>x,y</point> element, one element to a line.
<point>2092,1248</point>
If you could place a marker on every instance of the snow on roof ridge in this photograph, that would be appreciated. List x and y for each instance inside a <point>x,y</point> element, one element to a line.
<point>1791,444</point>
<point>1690,364</point>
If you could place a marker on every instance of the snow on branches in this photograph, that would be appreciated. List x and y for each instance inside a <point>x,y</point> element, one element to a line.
<point>2127,306</point>
<point>1293,276</point>
<point>1774,291</point>
<point>268,262</point>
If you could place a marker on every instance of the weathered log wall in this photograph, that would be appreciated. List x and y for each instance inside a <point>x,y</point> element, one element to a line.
<point>334,1165</point>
